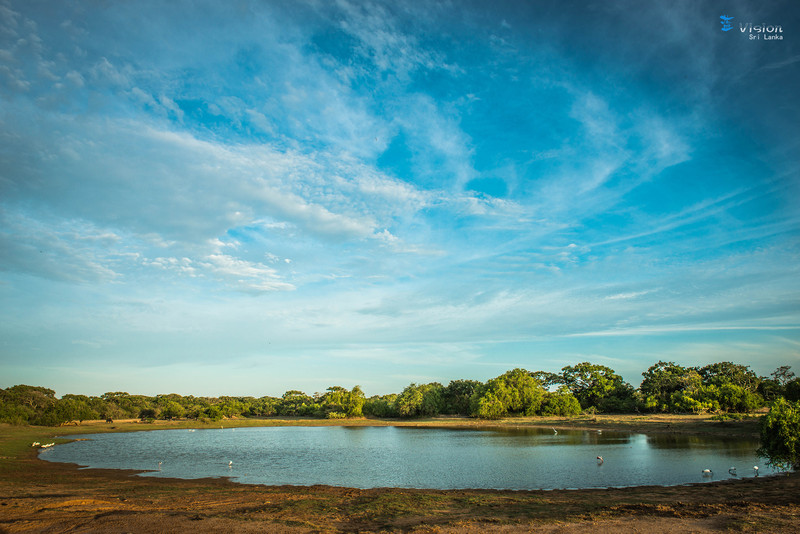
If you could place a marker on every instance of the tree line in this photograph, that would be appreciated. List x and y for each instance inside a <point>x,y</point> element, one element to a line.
<point>666,388</point>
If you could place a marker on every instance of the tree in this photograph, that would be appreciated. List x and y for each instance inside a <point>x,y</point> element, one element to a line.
<point>23,404</point>
<point>561,402</point>
<point>662,381</point>
<point>547,379</point>
<point>490,407</point>
<point>457,394</point>
<point>792,390</point>
<point>424,399</point>
<point>354,402</point>
<point>719,374</point>
<point>515,392</point>
<point>381,406</point>
<point>172,410</point>
<point>730,398</point>
<point>782,383</point>
<point>782,375</point>
<point>35,398</point>
<point>293,402</point>
<point>75,408</point>
<point>780,435</point>
<point>598,386</point>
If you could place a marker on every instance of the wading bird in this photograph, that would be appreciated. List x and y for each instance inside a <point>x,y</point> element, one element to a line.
<point>732,471</point>
<point>755,468</point>
<point>555,432</point>
<point>600,460</point>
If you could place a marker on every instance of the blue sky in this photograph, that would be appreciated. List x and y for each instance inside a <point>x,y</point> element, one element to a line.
<point>248,197</point>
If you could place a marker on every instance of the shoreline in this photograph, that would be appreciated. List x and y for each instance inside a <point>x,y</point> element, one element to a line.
<point>39,495</point>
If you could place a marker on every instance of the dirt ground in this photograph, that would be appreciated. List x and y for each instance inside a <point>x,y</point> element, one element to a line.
<point>40,496</point>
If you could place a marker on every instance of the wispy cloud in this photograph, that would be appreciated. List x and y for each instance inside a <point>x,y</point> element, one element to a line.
<point>391,190</point>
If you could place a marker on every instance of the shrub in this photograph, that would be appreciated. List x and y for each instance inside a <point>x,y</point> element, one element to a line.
<point>780,435</point>
<point>559,403</point>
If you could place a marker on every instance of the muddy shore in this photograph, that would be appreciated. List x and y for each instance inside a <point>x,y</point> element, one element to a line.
<point>40,496</point>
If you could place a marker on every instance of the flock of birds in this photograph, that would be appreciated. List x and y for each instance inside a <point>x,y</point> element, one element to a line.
<point>706,472</point>
<point>732,471</point>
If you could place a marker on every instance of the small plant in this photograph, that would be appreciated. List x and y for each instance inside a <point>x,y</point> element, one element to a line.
<point>727,417</point>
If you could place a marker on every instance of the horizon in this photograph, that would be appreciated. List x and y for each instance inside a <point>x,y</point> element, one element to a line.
<point>635,384</point>
<point>222,199</point>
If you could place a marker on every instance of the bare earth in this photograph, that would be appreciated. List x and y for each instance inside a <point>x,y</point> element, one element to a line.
<point>40,496</point>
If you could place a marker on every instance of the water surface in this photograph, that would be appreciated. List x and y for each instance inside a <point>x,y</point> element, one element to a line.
<point>368,457</point>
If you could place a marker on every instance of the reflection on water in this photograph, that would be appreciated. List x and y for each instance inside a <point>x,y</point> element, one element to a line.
<point>682,441</point>
<point>366,457</point>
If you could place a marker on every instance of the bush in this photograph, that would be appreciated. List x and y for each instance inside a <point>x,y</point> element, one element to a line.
<point>381,406</point>
<point>780,435</point>
<point>490,407</point>
<point>563,404</point>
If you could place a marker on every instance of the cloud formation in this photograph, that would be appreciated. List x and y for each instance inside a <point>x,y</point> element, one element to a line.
<point>374,191</point>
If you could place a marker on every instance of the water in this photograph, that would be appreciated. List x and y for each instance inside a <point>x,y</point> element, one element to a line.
<point>368,457</point>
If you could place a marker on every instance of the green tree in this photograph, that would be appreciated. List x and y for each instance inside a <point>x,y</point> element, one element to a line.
<point>782,375</point>
<point>421,400</point>
<point>490,407</point>
<point>293,402</point>
<point>598,386</point>
<point>34,398</point>
<point>172,410</point>
<point>381,406</point>
<point>457,395</point>
<point>515,392</point>
<point>75,408</point>
<point>547,379</point>
<point>689,402</point>
<point>792,390</point>
<point>213,413</point>
<point>263,407</point>
<point>780,435</point>
<point>662,381</point>
<point>778,385</point>
<point>561,402</point>
<point>719,374</point>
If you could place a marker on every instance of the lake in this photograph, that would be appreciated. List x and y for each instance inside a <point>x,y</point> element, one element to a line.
<point>432,458</point>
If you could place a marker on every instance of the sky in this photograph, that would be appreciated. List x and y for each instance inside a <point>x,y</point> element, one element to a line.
<point>243,198</point>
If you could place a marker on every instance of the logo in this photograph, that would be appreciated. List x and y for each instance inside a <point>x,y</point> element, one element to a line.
<point>754,32</point>
<point>726,23</point>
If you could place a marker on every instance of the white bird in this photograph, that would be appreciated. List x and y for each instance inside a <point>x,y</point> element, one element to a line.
<point>755,468</point>
<point>707,472</point>
<point>159,465</point>
<point>230,464</point>
<point>35,444</point>
<point>555,432</point>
